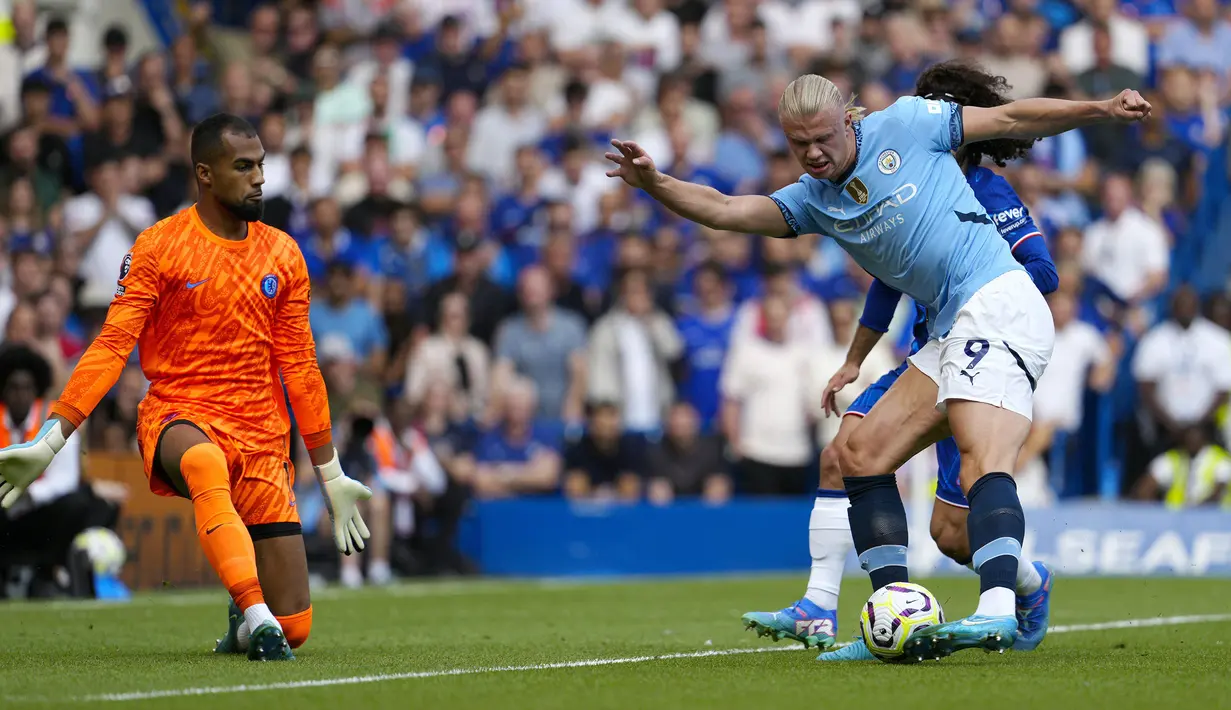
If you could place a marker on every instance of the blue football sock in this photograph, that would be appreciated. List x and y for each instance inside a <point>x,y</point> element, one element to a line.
<point>996,527</point>
<point>878,527</point>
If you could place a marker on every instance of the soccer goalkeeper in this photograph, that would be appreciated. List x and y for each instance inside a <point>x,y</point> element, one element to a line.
<point>218,303</point>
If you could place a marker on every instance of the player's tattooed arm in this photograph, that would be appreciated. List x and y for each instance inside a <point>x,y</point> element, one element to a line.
<point>1038,118</point>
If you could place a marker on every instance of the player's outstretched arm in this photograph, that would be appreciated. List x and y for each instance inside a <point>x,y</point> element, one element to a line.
<point>96,373</point>
<point>1038,118</point>
<point>750,214</point>
<point>295,355</point>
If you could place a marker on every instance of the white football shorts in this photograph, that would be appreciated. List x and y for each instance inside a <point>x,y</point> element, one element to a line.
<point>998,347</point>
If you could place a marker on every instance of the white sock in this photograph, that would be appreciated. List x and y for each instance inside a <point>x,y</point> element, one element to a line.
<point>258,614</point>
<point>1028,578</point>
<point>829,541</point>
<point>997,601</point>
<point>241,636</point>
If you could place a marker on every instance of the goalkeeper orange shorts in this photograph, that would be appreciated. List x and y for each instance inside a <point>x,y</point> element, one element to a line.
<point>262,477</point>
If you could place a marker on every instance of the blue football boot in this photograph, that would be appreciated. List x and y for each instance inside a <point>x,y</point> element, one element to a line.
<point>1033,612</point>
<point>993,633</point>
<point>855,650</point>
<point>803,621</point>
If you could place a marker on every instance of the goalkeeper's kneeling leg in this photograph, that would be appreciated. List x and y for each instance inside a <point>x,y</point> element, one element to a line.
<point>296,627</point>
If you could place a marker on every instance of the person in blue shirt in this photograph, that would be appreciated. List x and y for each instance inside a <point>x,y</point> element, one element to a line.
<point>706,332</point>
<point>515,457</point>
<point>829,539</point>
<point>887,189</point>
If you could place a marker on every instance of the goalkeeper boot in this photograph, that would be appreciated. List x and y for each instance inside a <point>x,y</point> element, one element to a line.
<point>229,643</point>
<point>268,643</point>
<point>855,650</point>
<point>1033,612</point>
<point>993,633</point>
<point>803,621</point>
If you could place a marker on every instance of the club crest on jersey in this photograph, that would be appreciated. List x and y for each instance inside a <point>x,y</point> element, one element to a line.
<point>269,286</point>
<point>889,162</point>
<point>857,190</point>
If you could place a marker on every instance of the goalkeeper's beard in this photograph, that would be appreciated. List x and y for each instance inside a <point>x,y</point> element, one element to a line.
<point>245,210</point>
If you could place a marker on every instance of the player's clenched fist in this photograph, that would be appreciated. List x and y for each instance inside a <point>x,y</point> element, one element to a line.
<point>1129,106</point>
<point>342,496</point>
<point>634,165</point>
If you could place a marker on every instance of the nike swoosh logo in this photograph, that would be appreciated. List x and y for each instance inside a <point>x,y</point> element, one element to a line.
<point>207,532</point>
<point>192,285</point>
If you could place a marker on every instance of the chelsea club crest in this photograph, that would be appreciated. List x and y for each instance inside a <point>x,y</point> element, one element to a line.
<point>889,162</point>
<point>269,286</point>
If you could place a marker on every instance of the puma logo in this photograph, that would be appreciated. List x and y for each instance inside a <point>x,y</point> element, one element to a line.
<point>969,375</point>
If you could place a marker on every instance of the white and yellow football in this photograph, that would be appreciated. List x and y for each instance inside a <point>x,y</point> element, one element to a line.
<point>893,613</point>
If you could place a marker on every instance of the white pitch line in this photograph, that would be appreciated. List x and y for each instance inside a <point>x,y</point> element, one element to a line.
<point>358,680</point>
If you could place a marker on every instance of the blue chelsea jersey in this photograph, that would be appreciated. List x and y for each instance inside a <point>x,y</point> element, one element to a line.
<point>906,213</point>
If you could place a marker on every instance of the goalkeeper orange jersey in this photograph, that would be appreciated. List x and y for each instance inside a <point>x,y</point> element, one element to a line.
<point>215,322</point>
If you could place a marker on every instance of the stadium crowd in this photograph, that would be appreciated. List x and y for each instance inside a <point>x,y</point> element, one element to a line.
<point>495,317</point>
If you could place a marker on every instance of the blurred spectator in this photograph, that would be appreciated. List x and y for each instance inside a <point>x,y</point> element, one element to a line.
<point>342,315</point>
<point>686,462</point>
<point>489,303</point>
<point>631,352</point>
<point>1183,371</point>
<point>559,254</point>
<point>512,459</point>
<point>35,154</point>
<point>73,107</point>
<point>1104,80</point>
<point>1126,251</point>
<point>602,464</point>
<point>1129,38</point>
<point>1200,40</point>
<point>451,357</point>
<point>453,443</point>
<point>289,207</point>
<point>808,320</point>
<point>328,242</point>
<point>1196,472</point>
<point>338,117</point>
<point>1081,357</point>
<point>1010,55</point>
<point>651,33</point>
<point>546,345</point>
<point>766,386</point>
<point>503,127</point>
<point>706,332</point>
<point>386,62</point>
<point>103,224</point>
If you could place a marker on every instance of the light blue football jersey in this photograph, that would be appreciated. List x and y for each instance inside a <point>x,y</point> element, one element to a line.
<point>906,213</point>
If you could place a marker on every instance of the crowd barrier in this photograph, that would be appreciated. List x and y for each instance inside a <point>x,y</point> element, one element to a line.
<point>551,537</point>
<point>554,538</point>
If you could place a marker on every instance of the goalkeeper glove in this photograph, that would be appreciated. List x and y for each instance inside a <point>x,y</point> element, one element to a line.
<point>21,464</point>
<point>342,495</point>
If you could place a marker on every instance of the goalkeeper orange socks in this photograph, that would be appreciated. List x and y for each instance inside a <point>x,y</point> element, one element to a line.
<point>296,627</point>
<point>225,540</point>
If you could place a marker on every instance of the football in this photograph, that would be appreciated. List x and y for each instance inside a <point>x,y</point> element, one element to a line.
<point>893,613</point>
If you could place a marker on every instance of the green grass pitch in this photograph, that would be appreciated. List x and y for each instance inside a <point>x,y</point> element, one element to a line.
<point>483,645</point>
